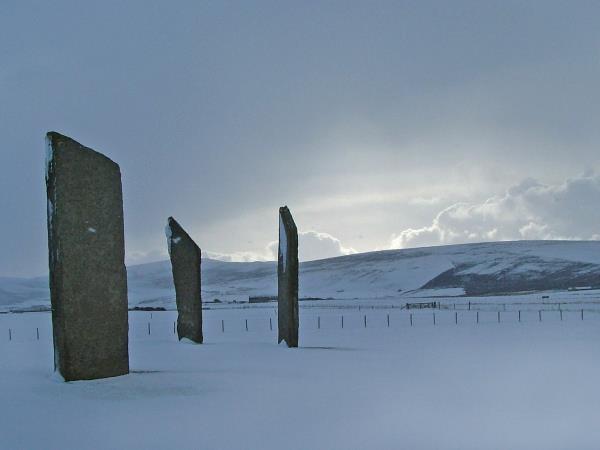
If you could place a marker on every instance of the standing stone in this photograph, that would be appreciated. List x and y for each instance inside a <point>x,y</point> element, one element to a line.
<point>88,279</point>
<point>185,262</point>
<point>287,279</point>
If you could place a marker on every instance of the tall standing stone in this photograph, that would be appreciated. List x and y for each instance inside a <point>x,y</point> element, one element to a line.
<point>185,262</point>
<point>287,279</point>
<point>88,279</point>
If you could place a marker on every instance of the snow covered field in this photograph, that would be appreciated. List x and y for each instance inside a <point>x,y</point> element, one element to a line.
<point>508,385</point>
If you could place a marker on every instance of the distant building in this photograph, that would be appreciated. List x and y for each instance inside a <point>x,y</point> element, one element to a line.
<point>432,305</point>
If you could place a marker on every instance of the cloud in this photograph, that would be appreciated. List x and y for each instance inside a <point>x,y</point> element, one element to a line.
<point>139,257</point>
<point>134,258</point>
<point>315,245</point>
<point>528,210</point>
<point>238,256</point>
<point>424,201</point>
<point>311,245</point>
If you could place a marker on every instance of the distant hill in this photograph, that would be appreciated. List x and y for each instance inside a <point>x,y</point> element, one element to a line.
<point>469,269</point>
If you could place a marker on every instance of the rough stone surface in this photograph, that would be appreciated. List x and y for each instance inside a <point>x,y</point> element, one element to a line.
<point>185,262</point>
<point>88,279</point>
<point>287,279</point>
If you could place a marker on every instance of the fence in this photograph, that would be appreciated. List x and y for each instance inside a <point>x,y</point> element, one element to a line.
<point>161,324</point>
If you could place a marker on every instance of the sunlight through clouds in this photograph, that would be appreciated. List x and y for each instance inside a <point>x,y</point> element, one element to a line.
<point>528,210</point>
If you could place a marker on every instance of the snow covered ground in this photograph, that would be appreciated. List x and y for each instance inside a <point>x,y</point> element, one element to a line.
<point>508,385</point>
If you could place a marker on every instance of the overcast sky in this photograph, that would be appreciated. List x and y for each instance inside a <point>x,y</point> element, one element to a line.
<point>380,124</point>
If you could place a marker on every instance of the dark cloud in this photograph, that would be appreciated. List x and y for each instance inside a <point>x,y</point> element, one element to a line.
<point>221,112</point>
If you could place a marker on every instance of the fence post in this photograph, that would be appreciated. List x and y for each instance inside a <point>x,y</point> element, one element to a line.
<point>582,314</point>
<point>560,314</point>
<point>477,316</point>
<point>469,306</point>
<point>319,322</point>
<point>411,324</point>
<point>434,318</point>
<point>540,314</point>
<point>388,320</point>
<point>37,332</point>
<point>246,324</point>
<point>9,334</point>
<point>148,328</point>
<point>498,316</point>
<point>456,318</point>
<point>270,324</point>
<point>223,325</point>
<point>365,321</point>
<point>519,315</point>
<point>342,321</point>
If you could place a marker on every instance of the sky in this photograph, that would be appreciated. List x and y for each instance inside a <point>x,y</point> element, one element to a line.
<point>380,124</point>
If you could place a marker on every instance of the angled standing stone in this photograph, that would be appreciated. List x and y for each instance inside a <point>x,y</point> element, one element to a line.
<point>88,279</point>
<point>287,279</point>
<point>185,262</point>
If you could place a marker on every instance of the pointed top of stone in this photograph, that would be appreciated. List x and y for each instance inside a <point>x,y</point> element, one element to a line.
<point>55,136</point>
<point>286,217</point>
<point>175,228</point>
<point>175,233</point>
<point>171,222</point>
<point>57,142</point>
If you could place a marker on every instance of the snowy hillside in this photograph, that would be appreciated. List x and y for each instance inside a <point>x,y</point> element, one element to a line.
<point>470,269</point>
<point>23,293</point>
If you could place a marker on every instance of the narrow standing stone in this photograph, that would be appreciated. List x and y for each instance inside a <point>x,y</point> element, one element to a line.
<point>88,279</point>
<point>185,262</point>
<point>287,279</point>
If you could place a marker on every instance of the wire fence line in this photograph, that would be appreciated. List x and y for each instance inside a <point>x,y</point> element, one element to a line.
<point>516,305</point>
<point>441,303</point>
<point>149,328</point>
